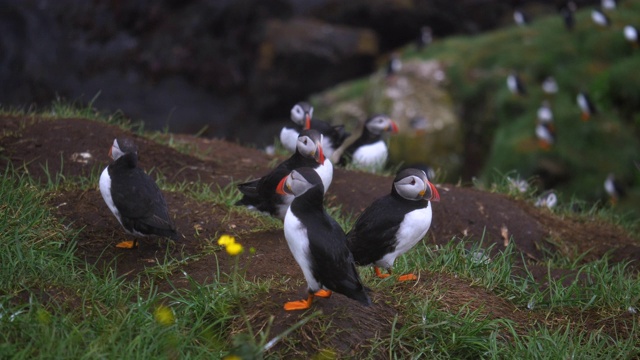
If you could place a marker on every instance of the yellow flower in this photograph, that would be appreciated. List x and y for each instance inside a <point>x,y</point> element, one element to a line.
<point>164,315</point>
<point>234,249</point>
<point>225,240</point>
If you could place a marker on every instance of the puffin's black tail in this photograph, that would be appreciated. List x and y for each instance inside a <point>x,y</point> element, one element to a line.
<point>250,194</point>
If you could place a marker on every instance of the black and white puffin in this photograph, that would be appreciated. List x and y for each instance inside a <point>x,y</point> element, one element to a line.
<point>587,108</point>
<point>600,18</point>
<point>549,85</point>
<point>317,242</point>
<point>133,197</point>
<point>302,117</point>
<point>520,17</point>
<point>425,39</point>
<point>614,188</point>
<point>546,134</point>
<point>370,151</point>
<point>515,84</point>
<point>260,194</point>
<point>394,223</point>
<point>631,34</point>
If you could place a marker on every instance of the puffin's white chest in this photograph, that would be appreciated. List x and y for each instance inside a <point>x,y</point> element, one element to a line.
<point>413,228</point>
<point>325,171</point>
<point>327,146</point>
<point>371,156</point>
<point>296,234</point>
<point>289,138</point>
<point>105,190</point>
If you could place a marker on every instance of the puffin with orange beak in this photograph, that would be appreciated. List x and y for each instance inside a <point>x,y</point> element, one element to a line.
<point>317,242</point>
<point>370,151</point>
<point>394,223</point>
<point>133,197</point>
<point>260,194</point>
<point>302,117</point>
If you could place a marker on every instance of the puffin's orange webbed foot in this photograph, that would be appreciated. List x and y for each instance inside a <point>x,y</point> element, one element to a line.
<point>379,273</point>
<point>323,293</point>
<point>407,277</point>
<point>299,305</point>
<point>129,244</point>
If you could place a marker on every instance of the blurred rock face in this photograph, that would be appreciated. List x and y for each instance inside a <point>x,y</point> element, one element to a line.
<point>227,65</point>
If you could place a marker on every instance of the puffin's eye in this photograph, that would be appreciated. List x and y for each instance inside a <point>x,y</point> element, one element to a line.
<point>305,141</point>
<point>413,181</point>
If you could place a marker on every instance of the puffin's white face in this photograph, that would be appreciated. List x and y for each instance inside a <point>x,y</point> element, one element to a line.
<point>416,187</point>
<point>296,184</point>
<point>115,151</point>
<point>381,123</point>
<point>309,147</point>
<point>300,112</point>
<point>124,146</point>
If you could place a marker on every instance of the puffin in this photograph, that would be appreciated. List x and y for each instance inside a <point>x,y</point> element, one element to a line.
<point>545,114</point>
<point>587,107</point>
<point>394,65</point>
<point>317,242</point>
<point>515,84</point>
<point>425,39</point>
<point>546,134</point>
<point>370,151</point>
<point>520,17</point>
<point>608,4</point>
<point>394,223</point>
<point>614,189</point>
<point>566,11</point>
<point>260,194</point>
<point>302,117</point>
<point>631,34</point>
<point>600,18</point>
<point>547,199</point>
<point>549,85</point>
<point>133,197</point>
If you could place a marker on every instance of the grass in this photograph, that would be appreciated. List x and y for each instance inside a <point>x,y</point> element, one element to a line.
<point>53,304</point>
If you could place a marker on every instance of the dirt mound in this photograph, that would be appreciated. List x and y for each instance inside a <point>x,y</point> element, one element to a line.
<point>44,148</point>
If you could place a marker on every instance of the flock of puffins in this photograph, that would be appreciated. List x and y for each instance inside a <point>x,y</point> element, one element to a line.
<point>294,191</point>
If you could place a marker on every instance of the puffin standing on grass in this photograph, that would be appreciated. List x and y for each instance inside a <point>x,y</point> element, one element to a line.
<point>370,151</point>
<point>133,197</point>
<point>395,223</point>
<point>260,194</point>
<point>515,84</point>
<point>587,108</point>
<point>302,117</point>
<point>317,242</point>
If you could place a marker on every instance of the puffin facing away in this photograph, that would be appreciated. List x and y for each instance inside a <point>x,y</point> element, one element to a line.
<point>394,223</point>
<point>133,197</point>
<point>317,242</point>
<point>369,151</point>
<point>302,116</point>
<point>260,194</point>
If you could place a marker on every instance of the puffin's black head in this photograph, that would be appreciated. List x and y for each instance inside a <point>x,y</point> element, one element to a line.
<point>122,146</point>
<point>413,184</point>
<point>299,181</point>
<point>301,114</point>
<point>310,145</point>
<point>380,123</point>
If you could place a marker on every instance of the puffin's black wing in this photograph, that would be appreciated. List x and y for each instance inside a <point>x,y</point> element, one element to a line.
<point>336,133</point>
<point>333,264</point>
<point>140,202</point>
<point>373,234</point>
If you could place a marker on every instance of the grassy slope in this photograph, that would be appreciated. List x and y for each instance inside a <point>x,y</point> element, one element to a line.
<point>588,58</point>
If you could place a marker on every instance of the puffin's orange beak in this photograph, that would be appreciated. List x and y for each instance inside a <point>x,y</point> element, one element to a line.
<point>281,188</point>
<point>111,152</point>
<point>435,196</point>
<point>320,154</point>
<point>307,122</point>
<point>394,127</point>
